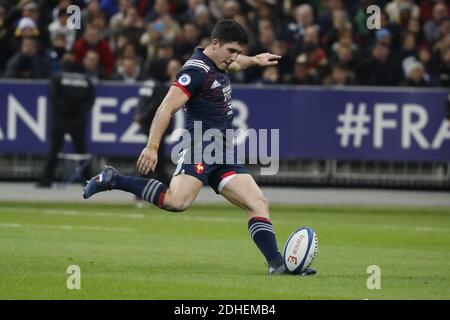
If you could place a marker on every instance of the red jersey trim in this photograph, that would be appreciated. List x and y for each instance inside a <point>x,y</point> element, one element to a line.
<point>182,89</point>
<point>227,174</point>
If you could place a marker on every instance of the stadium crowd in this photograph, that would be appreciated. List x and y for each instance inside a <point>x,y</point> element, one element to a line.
<point>323,42</point>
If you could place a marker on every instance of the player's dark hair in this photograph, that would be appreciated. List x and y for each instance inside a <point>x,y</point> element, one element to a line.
<point>228,30</point>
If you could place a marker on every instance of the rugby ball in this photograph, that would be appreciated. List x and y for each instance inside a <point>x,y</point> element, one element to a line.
<point>300,250</point>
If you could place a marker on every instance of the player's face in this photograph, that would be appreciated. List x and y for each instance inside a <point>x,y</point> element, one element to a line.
<point>227,54</point>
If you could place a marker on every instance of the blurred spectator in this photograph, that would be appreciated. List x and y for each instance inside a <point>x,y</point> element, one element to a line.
<point>150,40</point>
<point>91,11</point>
<point>172,29</point>
<point>30,10</point>
<point>27,64</point>
<point>129,71</point>
<point>159,10</point>
<point>301,73</point>
<point>443,42</point>
<point>5,39</point>
<point>325,16</point>
<point>267,42</point>
<point>423,55</point>
<point>225,9</point>
<point>415,75</point>
<point>71,96</point>
<point>264,10</point>
<point>56,52</point>
<point>401,10</point>
<point>190,38</point>
<point>431,28</point>
<point>316,57</point>
<point>270,75</point>
<point>173,67</point>
<point>100,21</point>
<point>59,26</point>
<point>360,19</point>
<point>409,46</point>
<point>162,31</point>
<point>345,40</point>
<point>380,69</point>
<point>116,21</point>
<point>129,50</point>
<point>242,20</point>
<point>443,68</point>
<point>110,7</point>
<point>414,28</point>
<point>340,76</point>
<point>91,64</point>
<point>394,29</point>
<point>203,20</point>
<point>384,37</point>
<point>132,25</point>
<point>303,17</point>
<point>61,6</point>
<point>158,66</point>
<point>91,40</point>
<point>121,40</point>
<point>345,57</point>
<point>340,24</point>
<point>190,13</point>
<point>26,27</point>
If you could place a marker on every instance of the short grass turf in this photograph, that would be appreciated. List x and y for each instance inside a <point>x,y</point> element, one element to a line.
<point>124,252</point>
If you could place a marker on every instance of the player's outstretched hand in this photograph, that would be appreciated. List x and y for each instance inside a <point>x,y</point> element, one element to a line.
<point>267,59</point>
<point>147,161</point>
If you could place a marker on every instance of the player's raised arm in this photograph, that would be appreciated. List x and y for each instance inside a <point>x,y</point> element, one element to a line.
<point>262,60</point>
<point>174,101</point>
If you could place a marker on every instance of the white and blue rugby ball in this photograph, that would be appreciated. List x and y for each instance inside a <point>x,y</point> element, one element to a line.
<point>300,250</point>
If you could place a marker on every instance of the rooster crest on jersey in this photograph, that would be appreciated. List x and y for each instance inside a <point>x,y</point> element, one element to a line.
<point>300,250</point>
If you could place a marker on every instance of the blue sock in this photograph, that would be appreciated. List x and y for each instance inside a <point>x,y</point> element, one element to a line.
<point>150,190</point>
<point>261,231</point>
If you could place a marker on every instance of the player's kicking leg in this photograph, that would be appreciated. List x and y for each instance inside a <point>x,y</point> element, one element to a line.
<point>182,191</point>
<point>243,191</point>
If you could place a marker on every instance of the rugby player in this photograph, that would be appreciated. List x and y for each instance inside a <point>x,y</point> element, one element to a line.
<point>203,89</point>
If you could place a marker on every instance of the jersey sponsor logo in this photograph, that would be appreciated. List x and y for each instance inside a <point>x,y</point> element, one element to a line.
<point>184,79</point>
<point>215,84</point>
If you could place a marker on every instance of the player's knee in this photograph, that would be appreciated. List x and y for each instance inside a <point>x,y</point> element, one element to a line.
<point>180,207</point>
<point>259,205</point>
<point>177,205</point>
<point>264,203</point>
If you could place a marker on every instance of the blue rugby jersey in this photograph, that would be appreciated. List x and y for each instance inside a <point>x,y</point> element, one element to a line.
<point>209,92</point>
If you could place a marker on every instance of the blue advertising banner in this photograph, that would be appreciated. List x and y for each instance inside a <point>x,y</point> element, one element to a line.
<point>311,122</point>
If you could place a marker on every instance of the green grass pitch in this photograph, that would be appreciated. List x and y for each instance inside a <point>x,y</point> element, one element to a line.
<point>206,253</point>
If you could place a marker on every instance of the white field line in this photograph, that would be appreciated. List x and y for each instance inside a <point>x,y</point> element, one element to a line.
<point>187,217</point>
<point>64,227</point>
<point>395,227</point>
<point>166,216</point>
<point>102,214</point>
<point>417,228</point>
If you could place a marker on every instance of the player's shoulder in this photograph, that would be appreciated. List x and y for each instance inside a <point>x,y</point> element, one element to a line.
<point>197,65</point>
<point>198,62</point>
<point>193,71</point>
